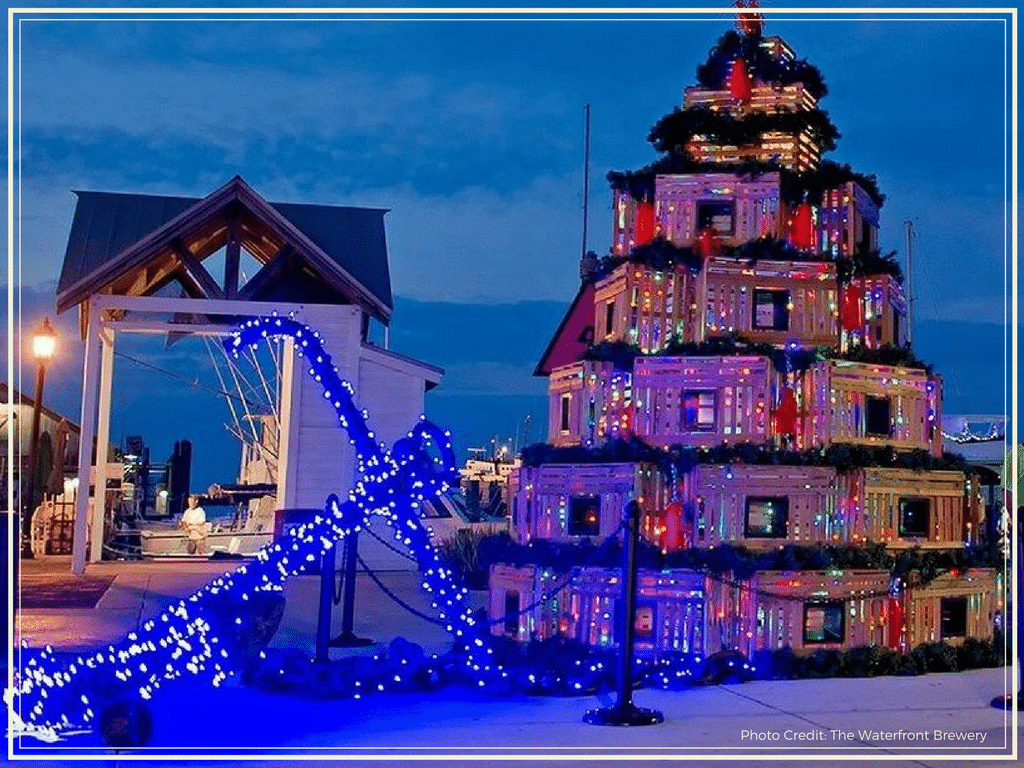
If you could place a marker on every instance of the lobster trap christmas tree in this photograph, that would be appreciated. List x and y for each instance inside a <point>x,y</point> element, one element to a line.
<point>744,373</point>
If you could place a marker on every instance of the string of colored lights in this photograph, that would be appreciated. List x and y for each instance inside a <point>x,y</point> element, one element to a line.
<point>206,633</point>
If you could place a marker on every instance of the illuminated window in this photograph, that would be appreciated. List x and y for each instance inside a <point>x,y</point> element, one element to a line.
<point>953,612</point>
<point>823,623</point>
<point>914,514</point>
<point>699,411</point>
<point>585,516</point>
<point>512,613</point>
<point>609,318</point>
<point>643,622</point>
<point>877,416</point>
<point>771,310</point>
<point>767,517</point>
<point>719,215</point>
<point>566,400</point>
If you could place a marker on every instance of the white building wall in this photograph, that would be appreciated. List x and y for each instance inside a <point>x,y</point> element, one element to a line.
<point>392,392</point>
<point>316,456</point>
<point>317,459</point>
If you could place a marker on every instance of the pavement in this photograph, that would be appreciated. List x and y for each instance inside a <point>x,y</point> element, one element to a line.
<point>875,721</point>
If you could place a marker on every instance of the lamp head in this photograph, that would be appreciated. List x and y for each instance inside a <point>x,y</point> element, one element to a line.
<point>44,341</point>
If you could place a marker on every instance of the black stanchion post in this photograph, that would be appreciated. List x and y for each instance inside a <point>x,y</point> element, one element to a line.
<point>323,622</point>
<point>347,638</point>
<point>1013,619</point>
<point>624,712</point>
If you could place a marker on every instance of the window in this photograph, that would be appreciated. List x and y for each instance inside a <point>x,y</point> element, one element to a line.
<point>877,418</point>
<point>767,517</point>
<point>643,622</point>
<point>823,623</point>
<point>719,215</point>
<point>609,318</point>
<point>512,613</point>
<point>698,412</point>
<point>585,516</point>
<point>564,416</point>
<point>771,310</point>
<point>865,236</point>
<point>914,515</point>
<point>953,612</point>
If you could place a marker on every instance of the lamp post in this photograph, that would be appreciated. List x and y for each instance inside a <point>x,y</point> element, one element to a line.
<point>44,343</point>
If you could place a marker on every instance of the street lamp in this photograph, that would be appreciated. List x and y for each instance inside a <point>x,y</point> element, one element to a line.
<point>44,344</point>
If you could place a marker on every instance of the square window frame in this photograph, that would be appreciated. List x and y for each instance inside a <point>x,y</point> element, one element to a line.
<point>826,604</point>
<point>776,532</point>
<point>565,413</point>
<point>684,425</point>
<point>781,298</point>
<point>945,604</point>
<point>578,505</point>
<point>698,214</point>
<point>904,531</point>
<point>872,400</point>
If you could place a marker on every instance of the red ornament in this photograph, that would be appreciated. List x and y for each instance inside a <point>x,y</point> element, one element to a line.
<point>674,538</point>
<point>801,233</point>
<point>895,623</point>
<point>852,313</point>
<point>707,243</point>
<point>785,415</point>
<point>739,82</point>
<point>645,222</point>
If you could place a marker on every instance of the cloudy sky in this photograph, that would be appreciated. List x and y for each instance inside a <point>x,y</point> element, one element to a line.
<point>471,132</point>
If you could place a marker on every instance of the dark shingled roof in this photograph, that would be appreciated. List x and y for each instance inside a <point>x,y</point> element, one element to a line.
<point>106,223</point>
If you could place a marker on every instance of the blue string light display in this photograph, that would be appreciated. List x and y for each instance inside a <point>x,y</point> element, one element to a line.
<point>206,634</point>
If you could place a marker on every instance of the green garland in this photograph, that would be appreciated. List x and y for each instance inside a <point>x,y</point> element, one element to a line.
<point>795,186</point>
<point>868,264</point>
<point>812,185</point>
<point>680,459</point>
<point>663,255</point>
<point>734,561</point>
<point>889,354</point>
<point>675,130</point>
<point>623,355</point>
<point>659,254</point>
<point>760,63</point>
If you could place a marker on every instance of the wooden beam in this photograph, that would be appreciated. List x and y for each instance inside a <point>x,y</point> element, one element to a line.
<point>268,273</point>
<point>196,271</point>
<point>232,257</point>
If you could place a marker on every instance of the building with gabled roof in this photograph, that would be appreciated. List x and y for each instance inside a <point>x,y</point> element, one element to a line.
<point>139,263</point>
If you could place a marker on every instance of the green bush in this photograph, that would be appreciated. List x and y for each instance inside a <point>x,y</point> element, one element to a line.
<point>862,661</point>
<point>461,553</point>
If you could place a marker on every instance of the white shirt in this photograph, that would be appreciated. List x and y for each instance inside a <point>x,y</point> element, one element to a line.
<point>194,519</point>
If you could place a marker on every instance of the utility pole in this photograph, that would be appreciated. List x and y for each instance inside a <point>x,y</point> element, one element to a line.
<point>586,176</point>
<point>910,280</point>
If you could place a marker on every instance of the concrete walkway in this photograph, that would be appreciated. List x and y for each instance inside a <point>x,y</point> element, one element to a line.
<point>701,723</point>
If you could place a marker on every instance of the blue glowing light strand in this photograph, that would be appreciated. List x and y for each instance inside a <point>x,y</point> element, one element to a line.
<point>413,470</point>
<point>187,637</point>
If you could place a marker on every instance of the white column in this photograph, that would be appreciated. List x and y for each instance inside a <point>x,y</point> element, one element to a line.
<point>107,336</point>
<point>287,428</point>
<point>90,386</point>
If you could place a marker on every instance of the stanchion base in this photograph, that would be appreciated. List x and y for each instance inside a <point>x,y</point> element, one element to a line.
<point>1006,702</point>
<point>628,715</point>
<point>349,640</point>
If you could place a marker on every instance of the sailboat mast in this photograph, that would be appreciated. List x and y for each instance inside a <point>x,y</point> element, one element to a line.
<point>586,176</point>
<point>910,281</point>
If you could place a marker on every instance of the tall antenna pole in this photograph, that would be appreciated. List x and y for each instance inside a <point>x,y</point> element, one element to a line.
<point>586,177</point>
<point>910,280</point>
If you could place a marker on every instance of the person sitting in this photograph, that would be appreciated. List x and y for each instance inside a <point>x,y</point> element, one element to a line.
<point>193,521</point>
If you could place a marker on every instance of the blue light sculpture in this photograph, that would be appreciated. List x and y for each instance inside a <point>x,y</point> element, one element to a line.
<point>205,634</point>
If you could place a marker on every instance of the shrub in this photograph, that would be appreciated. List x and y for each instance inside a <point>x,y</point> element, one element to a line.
<point>862,661</point>
<point>461,553</point>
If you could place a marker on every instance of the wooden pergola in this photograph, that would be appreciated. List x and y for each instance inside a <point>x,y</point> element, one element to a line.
<point>135,263</point>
